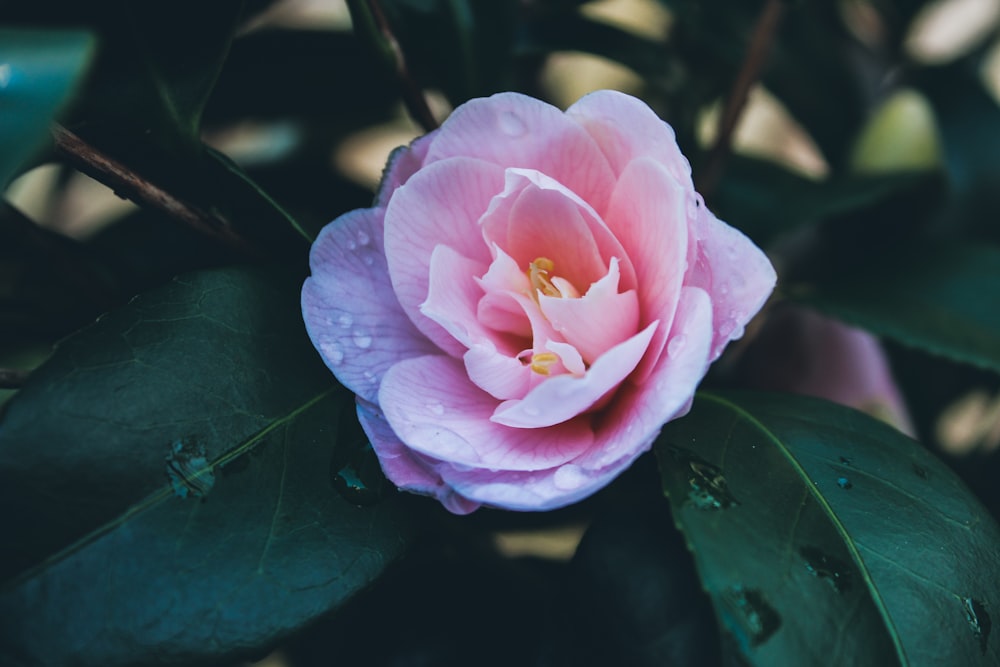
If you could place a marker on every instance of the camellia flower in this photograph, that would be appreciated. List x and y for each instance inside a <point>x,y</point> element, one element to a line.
<point>533,294</point>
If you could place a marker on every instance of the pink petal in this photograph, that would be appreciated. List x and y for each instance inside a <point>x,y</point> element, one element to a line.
<point>562,397</point>
<point>536,216</point>
<point>497,309</point>
<point>454,294</point>
<point>597,321</point>
<point>569,355</point>
<point>404,162</point>
<point>349,308</point>
<point>736,274</point>
<point>513,130</point>
<point>439,205</point>
<point>435,410</point>
<point>404,468</point>
<point>626,129</point>
<point>648,214</point>
<point>500,375</point>
<point>635,416</point>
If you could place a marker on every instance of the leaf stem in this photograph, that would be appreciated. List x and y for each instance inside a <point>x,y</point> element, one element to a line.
<point>369,17</point>
<point>131,185</point>
<point>760,46</point>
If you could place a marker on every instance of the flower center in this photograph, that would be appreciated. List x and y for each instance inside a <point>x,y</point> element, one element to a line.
<point>541,362</point>
<point>538,274</point>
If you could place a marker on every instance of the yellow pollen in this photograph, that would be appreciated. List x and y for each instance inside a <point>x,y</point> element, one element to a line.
<point>538,274</point>
<point>541,362</point>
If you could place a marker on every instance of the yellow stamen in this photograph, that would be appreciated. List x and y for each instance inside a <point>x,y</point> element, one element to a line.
<point>541,362</point>
<point>538,274</point>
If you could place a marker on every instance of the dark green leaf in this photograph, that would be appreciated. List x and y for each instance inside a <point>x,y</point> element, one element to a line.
<point>944,299</point>
<point>765,200</point>
<point>38,71</point>
<point>172,470</point>
<point>826,537</point>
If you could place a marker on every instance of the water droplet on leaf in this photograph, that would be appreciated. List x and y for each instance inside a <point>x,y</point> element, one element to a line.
<point>844,483</point>
<point>823,566</point>
<point>979,621</point>
<point>188,469</point>
<point>355,472</point>
<point>511,124</point>
<point>707,488</point>
<point>750,616</point>
<point>920,471</point>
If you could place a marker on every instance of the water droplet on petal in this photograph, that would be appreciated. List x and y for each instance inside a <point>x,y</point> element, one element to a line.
<point>333,353</point>
<point>363,238</point>
<point>436,408</point>
<point>345,320</point>
<point>368,260</point>
<point>844,483</point>
<point>753,619</point>
<point>570,477</point>
<point>824,566</point>
<point>511,124</point>
<point>676,344</point>
<point>979,621</point>
<point>351,245</point>
<point>362,340</point>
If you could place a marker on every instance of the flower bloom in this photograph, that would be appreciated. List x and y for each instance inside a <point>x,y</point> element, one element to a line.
<point>533,294</point>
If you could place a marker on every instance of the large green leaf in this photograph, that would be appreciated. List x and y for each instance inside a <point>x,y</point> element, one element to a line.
<point>944,299</point>
<point>825,537</point>
<point>38,71</point>
<point>175,470</point>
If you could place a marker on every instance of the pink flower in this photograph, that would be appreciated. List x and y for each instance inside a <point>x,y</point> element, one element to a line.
<point>533,294</point>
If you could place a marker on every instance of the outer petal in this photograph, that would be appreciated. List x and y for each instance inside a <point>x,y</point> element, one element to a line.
<point>404,162</point>
<point>513,130</point>
<point>736,274</point>
<point>563,397</point>
<point>405,468</point>
<point>626,128</point>
<point>648,214</point>
<point>440,205</point>
<point>349,307</point>
<point>434,408</point>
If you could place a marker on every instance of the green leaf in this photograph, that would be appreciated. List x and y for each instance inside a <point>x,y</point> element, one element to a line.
<point>174,469</point>
<point>944,299</point>
<point>765,200</point>
<point>824,536</point>
<point>38,72</point>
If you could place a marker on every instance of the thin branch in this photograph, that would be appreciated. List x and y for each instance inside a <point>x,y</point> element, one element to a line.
<point>13,379</point>
<point>413,96</point>
<point>760,46</point>
<point>131,185</point>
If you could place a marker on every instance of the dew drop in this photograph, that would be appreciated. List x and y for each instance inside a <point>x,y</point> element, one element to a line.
<point>436,408</point>
<point>752,619</point>
<point>979,621</point>
<point>707,487</point>
<point>844,483</point>
<point>676,345</point>
<point>351,245</point>
<point>363,238</point>
<point>362,340</point>
<point>345,320</point>
<point>511,124</point>
<point>359,481</point>
<point>920,471</point>
<point>188,469</point>
<point>5,75</point>
<point>333,353</point>
<point>569,477</point>
<point>368,260</point>
<point>835,571</point>
<point>845,461</point>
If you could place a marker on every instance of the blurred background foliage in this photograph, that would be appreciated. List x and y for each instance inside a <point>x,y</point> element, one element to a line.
<point>866,161</point>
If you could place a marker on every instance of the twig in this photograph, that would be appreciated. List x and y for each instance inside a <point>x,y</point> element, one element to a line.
<point>12,379</point>
<point>132,185</point>
<point>413,96</point>
<point>760,45</point>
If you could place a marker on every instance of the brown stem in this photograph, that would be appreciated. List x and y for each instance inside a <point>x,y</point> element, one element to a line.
<point>413,96</point>
<point>132,185</point>
<point>12,379</point>
<point>760,45</point>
